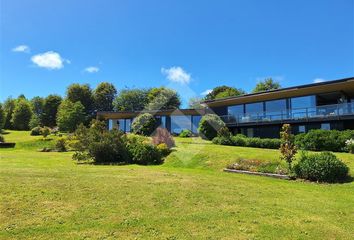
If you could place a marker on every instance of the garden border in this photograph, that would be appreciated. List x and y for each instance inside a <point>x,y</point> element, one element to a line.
<point>273,175</point>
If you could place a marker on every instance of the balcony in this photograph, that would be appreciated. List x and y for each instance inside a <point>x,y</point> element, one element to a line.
<point>335,111</point>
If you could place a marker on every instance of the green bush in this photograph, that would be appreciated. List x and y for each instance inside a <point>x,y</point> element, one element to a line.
<point>144,124</point>
<point>321,167</point>
<point>243,141</point>
<point>2,139</point>
<point>223,141</point>
<point>142,152</point>
<point>163,149</point>
<point>239,140</point>
<point>209,126</point>
<point>324,140</point>
<point>36,131</point>
<point>60,145</point>
<point>185,133</point>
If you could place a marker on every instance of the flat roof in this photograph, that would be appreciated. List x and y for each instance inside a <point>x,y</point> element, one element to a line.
<point>345,85</point>
<point>132,114</point>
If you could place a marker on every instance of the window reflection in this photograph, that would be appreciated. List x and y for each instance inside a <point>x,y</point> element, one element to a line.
<point>179,123</point>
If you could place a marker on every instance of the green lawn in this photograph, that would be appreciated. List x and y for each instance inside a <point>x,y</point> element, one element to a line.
<point>48,196</point>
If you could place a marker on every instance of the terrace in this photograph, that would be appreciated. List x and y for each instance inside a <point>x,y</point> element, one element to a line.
<point>324,112</point>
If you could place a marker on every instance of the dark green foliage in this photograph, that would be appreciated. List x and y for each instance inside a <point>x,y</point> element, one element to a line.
<point>185,133</point>
<point>144,124</point>
<point>243,141</point>
<point>103,96</point>
<point>131,100</point>
<point>324,140</point>
<point>143,153</point>
<point>37,104</point>
<point>224,91</point>
<point>36,131</point>
<point>209,125</point>
<point>2,117</point>
<point>322,167</point>
<point>34,122</point>
<point>100,145</point>
<point>60,145</point>
<point>9,106</point>
<point>2,139</point>
<point>45,131</point>
<point>163,99</point>
<point>50,109</point>
<point>22,115</point>
<point>266,85</point>
<point>81,93</point>
<point>70,115</point>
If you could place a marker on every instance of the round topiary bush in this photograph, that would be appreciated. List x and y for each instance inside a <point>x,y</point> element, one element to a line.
<point>321,167</point>
<point>209,126</point>
<point>185,133</point>
<point>144,124</point>
<point>36,131</point>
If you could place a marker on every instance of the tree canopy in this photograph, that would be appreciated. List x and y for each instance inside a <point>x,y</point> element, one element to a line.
<point>103,96</point>
<point>81,93</point>
<point>163,99</point>
<point>224,91</point>
<point>266,85</point>
<point>50,109</point>
<point>22,115</point>
<point>131,100</point>
<point>70,115</point>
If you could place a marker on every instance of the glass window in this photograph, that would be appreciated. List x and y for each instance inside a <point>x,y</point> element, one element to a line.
<point>121,124</point>
<point>195,123</point>
<point>276,109</point>
<point>250,132</point>
<point>128,123</point>
<point>302,129</point>
<point>235,110</point>
<point>163,121</point>
<point>325,126</point>
<point>254,107</point>
<point>302,107</point>
<point>179,123</point>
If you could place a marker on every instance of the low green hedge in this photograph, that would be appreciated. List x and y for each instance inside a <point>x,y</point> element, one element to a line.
<point>324,140</point>
<point>243,141</point>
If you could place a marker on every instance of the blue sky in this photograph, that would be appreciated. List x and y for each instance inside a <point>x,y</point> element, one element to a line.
<point>189,45</point>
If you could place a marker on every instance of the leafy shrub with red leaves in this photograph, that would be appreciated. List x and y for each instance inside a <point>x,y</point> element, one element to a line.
<point>162,135</point>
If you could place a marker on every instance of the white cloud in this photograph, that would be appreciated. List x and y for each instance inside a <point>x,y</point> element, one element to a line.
<point>50,60</point>
<point>91,69</point>
<point>318,80</point>
<point>21,48</point>
<point>176,74</point>
<point>206,92</point>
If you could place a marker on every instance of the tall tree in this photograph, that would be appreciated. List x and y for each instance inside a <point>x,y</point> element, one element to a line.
<point>70,115</point>
<point>163,99</point>
<point>37,105</point>
<point>9,106</point>
<point>50,109</point>
<point>2,117</point>
<point>194,103</point>
<point>81,93</point>
<point>224,91</point>
<point>22,115</point>
<point>104,95</point>
<point>131,100</point>
<point>266,85</point>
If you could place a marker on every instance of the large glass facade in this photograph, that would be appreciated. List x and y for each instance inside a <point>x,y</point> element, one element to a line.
<point>254,111</point>
<point>195,123</point>
<point>302,107</point>
<point>276,109</point>
<point>179,123</point>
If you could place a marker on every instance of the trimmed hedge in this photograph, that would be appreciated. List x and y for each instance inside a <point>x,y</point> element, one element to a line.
<point>185,133</point>
<point>321,167</point>
<point>243,141</point>
<point>144,124</point>
<point>209,126</point>
<point>324,140</point>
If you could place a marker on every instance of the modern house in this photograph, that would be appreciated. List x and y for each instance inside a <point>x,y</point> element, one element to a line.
<point>325,105</point>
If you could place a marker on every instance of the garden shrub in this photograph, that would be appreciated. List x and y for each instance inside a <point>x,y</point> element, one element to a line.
<point>45,131</point>
<point>223,141</point>
<point>209,125</point>
<point>321,167</point>
<point>324,140</point>
<point>162,135</point>
<point>185,133</point>
<point>239,140</point>
<point>144,124</point>
<point>243,141</point>
<point>143,153</point>
<point>163,149</point>
<point>350,145</point>
<point>36,131</point>
<point>60,145</point>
